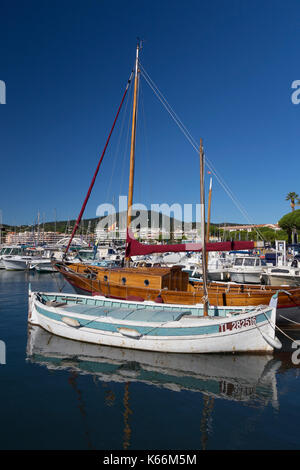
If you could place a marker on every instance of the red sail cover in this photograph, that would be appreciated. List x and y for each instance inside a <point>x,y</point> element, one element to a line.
<point>134,248</point>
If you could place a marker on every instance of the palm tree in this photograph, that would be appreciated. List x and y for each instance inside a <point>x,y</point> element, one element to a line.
<point>292,197</point>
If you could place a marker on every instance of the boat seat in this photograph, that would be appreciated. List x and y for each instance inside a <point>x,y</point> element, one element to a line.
<point>54,303</point>
<point>135,314</point>
<point>147,315</point>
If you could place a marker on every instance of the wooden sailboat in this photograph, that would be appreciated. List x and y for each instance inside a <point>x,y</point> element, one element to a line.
<point>172,286</point>
<point>168,285</point>
<point>147,320</point>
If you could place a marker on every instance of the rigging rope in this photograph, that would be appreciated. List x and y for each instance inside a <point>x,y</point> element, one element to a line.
<point>117,150</point>
<point>98,166</point>
<point>192,141</point>
<point>126,151</point>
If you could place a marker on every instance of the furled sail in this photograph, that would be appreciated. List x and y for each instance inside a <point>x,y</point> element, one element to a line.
<point>135,248</point>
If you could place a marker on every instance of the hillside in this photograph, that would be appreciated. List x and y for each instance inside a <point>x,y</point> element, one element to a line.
<point>158,221</point>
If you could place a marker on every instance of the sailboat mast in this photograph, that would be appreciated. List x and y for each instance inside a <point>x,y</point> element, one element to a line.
<point>133,138</point>
<point>208,217</point>
<point>203,237</point>
<point>209,210</point>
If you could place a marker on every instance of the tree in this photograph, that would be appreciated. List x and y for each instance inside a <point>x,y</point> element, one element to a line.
<point>290,222</point>
<point>292,197</point>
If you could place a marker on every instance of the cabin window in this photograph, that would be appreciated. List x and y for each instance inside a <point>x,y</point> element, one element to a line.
<point>238,262</point>
<point>280,271</point>
<point>146,282</point>
<point>105,278</point>
<point>123,280</point>
<point>249,262</point>
<point>91,276</point>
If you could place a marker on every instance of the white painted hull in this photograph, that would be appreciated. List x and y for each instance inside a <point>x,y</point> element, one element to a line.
<point>16,265</point>
<point>43,266</point>
<point>218,275</point>
<point>281,280</point>
<point>233,333</point>
<point>245,277</point>
<point>46,269</point>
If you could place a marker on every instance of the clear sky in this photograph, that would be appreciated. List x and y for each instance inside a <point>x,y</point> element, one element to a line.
<point>225,67</point>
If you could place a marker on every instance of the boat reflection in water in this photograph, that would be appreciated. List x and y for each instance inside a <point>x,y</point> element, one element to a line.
<point>250,378</point>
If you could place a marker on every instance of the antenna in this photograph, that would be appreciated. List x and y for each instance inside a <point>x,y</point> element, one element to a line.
<point>140,42</point>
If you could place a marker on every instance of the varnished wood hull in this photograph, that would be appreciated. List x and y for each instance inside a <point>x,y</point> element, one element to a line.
<point>220,294</point>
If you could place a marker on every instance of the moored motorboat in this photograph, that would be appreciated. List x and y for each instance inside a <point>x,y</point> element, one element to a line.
<point>16,263</point>
<point>246,270</point>
<point>10,250</point>
<point>42,265</point>
<point>285,275</point>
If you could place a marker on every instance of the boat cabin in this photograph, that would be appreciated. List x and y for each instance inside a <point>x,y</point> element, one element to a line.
<point>12,250</point>
<point>171,278</point>
<point>248,261</point>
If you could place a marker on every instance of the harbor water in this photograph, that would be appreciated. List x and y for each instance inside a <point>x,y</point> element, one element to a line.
<point>60,394</point>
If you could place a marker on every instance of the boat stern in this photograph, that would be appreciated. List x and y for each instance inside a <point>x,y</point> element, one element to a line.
<point>31,308</point>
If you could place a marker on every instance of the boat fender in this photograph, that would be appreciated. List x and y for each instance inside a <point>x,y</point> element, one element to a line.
<point>71,322</point>
<point>159,299</point>
<point>129,332</point>
<point>274,342</point>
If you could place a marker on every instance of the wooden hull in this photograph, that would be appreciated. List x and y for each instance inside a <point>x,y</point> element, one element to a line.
<point>220,294</point>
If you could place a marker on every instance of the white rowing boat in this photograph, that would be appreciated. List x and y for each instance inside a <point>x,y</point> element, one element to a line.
<point>155,327</point>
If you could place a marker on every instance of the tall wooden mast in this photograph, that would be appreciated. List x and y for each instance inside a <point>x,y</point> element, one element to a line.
<point>203,235</point>
<point>208,217</point>
<point>209,210</point>
<point>133,138</point>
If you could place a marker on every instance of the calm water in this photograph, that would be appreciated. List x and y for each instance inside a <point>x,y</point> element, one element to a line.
<point>60,394</point>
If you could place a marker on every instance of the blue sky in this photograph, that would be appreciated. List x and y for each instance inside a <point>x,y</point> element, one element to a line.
<point>225,67</point>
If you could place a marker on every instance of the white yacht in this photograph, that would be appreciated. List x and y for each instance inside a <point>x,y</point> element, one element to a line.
<point>44,263</point>
<point>217,267</point>
<point>285,275</point>
<point>22,260</point>
<point>10,251</point>
<point>246,269</point>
